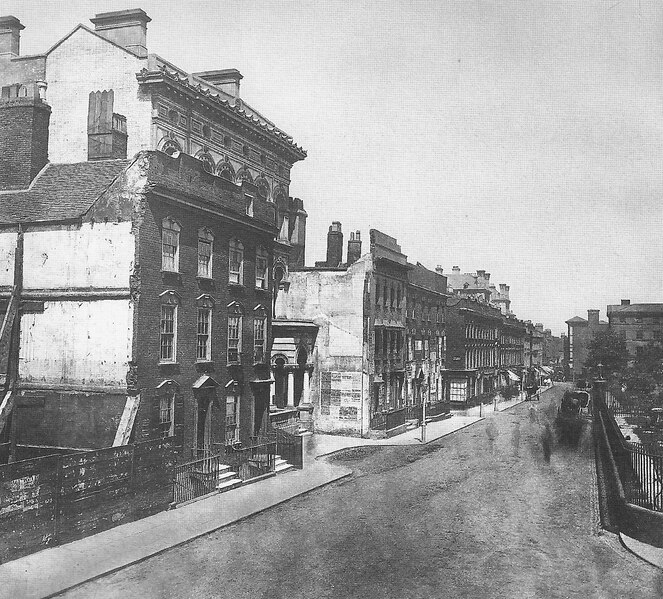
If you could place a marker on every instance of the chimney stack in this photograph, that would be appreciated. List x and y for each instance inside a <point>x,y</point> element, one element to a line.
<point>126,28</point>
<point>354,247</point>
<point>334,244</point>
<point>225,79</point>
<point>24,119</point>
<point>481,274</point>
<point>626,302</point>
<point>593,317</point>
<point>10,36</point>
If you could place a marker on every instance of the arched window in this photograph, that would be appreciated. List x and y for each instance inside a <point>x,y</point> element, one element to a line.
<point>236,262</point>
<point>226,171</point>
<point>208,162</point>
<point>262,260</point>
<point>205,251</point>
<point>263,187</point>
<point>171,147</point>
<point>170,245</point>
<point>244,175</point>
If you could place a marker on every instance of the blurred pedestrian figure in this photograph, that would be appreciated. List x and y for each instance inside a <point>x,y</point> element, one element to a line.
<point>585,442</point>
<point>515,439</point>
<point>546,442</point>
<point>533,416</point>
<point>492,433</point>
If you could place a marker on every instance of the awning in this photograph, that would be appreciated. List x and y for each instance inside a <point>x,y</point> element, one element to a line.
<point>513,376</point>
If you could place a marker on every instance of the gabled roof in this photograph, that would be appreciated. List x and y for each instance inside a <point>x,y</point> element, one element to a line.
<point>60,192</point>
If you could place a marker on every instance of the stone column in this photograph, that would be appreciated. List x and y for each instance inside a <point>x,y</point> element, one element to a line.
<point>306,390</point>
<point>291,388</point>
<point>272,392</point>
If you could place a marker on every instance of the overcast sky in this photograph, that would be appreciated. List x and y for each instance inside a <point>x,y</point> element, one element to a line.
<point>519,137</point>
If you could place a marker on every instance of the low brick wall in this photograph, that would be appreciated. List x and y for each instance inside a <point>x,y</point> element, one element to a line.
<point>56,499</point>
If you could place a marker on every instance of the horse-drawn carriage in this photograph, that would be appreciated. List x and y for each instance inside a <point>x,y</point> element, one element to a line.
<point>572,416</point>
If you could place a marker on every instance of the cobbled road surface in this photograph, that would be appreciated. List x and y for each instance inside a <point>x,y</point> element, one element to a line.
<point>497,509</point>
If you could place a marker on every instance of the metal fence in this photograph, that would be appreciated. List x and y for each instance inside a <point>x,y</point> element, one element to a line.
<point>251,462</point>
<point>639,466</point>
<point>385,421</point>
<point>196,478</point>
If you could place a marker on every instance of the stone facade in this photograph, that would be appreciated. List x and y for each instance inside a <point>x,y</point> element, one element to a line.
<point>637,324</point>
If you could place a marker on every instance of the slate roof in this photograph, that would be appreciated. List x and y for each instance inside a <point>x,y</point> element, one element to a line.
<point>60,192</point>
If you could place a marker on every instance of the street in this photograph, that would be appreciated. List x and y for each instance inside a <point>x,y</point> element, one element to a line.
<point>489,511</point>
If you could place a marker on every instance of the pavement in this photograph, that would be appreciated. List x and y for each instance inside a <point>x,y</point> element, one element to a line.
<point>54,570</point>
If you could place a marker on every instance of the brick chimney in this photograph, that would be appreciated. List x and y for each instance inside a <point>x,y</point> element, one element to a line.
<point>439,270</point>
<point>23,136</point>
<point>354,247</point>
<point>225,79</point>
<point>593,317</point>
<point>626,302</point>
<point>10,36</point>
<point>334,244</point>
<point>126,28</point>
<point>456,269</point>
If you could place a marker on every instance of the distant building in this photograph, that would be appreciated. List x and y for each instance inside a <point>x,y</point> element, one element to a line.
<point>478,286</point>
<point>637,324</point>
<point>580,334</point>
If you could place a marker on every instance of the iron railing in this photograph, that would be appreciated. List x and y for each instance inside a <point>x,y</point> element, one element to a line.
<point>385,421</point>
<point>197,478</point>
<point>253,461</point>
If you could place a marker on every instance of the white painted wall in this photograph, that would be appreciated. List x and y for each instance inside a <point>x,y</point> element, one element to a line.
<point>92,255</point>
<point>77,343</point>
<point>7,250</point>
<point>81,64</point>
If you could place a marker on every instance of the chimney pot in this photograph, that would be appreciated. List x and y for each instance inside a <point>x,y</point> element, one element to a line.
<point>626,302</point>
<point>456,269</point>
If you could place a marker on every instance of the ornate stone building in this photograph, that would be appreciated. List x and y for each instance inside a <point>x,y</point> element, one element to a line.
<point>200,226</point>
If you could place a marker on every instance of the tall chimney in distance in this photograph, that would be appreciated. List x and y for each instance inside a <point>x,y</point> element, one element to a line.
<point>354,247</point>
<point>334,244</point>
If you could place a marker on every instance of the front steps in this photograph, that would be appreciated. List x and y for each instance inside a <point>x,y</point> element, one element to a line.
<point>227,479</point>
<point>281,466</point>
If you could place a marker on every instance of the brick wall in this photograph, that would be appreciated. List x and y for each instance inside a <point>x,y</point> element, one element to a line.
<point>189,287</point>
<point>24,141</point>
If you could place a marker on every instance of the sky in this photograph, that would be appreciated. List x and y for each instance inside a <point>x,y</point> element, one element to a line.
<point>523,137</point>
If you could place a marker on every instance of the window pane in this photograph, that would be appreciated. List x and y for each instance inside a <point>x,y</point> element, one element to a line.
<point>204,258</point>
<point>167,339</point>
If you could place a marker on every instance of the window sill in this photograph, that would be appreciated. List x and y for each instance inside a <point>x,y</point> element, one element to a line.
<point>236,286</point>
<point>264,289</point>
<point>202,279</point>
<point>230,364</point>
<point>204,363</point>
<point>167,363</point>
<point>170,272</point>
